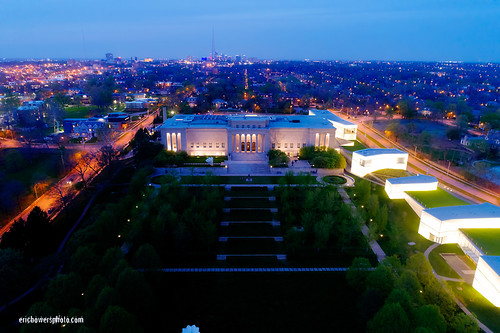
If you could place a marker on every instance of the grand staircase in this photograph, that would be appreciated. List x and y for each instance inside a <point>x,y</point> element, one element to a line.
<point>250,232</point>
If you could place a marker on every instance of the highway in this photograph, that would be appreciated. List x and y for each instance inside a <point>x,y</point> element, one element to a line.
<point>372,138</point>
<point>50,199</point>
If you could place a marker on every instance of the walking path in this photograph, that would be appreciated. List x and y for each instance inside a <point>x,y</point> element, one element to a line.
<point>460,305</point>
<point>245,270</point>
<point>364,229</point>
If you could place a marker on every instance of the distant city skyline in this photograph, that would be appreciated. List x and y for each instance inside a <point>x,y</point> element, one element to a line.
<point>390,30</point>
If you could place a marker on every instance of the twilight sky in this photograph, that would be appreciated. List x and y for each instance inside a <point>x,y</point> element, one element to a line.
<point>463,30</point>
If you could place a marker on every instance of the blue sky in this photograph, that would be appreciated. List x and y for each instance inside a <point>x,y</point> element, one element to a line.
<point>273,29</point>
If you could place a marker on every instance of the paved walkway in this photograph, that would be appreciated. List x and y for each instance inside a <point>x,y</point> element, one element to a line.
<point>460,305</point>
<point>364,229</point>
<point>245,270</point>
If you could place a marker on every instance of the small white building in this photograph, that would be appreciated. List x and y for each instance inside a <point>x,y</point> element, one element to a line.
<point>372,159</point>
<point>487,278</point>
<point>344,129</point>
<point>396,187</point>
<point>442,224</point>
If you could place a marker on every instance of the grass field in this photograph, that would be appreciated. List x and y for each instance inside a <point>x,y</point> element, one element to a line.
<point>336,180</point>
<point>357,146</point>
<point>486,312</point>
<point>437,198</point>
<point>259,180</point>
<point>488,240</point>
<point>82,111</point>
<point>439,264</point>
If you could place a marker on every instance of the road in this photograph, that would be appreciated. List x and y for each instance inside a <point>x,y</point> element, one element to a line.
<point>49,200</point>
<point>453,182</point>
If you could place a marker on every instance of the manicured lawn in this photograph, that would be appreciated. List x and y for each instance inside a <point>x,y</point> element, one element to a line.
<point>81,111</point>
<point>336,180</point>
<point>488,240</point>
<point>250,229</point>
<point>437,198</point>
<point>203,159</point>
<point>251,246</point>
<point>486,312</point>
<point>164,179</point>
<point>250,203</point>
<point>259,180</point>
<point>249,215</point>
<point>357,146</point>
<point>249,192</point>
<point>439,264</point>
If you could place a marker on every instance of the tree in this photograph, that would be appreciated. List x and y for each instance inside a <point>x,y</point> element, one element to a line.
<point>462,323</point>
<point>118,320</point>
<point>65,291</point>
<point>428,316</point>
<point>14,274</point>
<point>382,279</point>
<point>84,261</point>
<point>396,129</point>
<point>419,264</point>
<point>453,133</point>
<point>391,318</point>
<point>135,294</point>
<point>146,257</point>
<point>106,155</point>
<point>406,109</point>
<point>40,309</point>
<point>61,194</point>
<point>277,158</point>
<point>408,281</point>
<point>94,288</point>
<point>37,233</point>
<point>357,273</point>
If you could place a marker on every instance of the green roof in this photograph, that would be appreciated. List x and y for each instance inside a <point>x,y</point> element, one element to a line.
<point>436,198</point>
<point>488,240</point>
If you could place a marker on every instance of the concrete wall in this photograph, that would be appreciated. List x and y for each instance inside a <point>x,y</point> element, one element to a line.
<point>363,165</point>
<point>469,247</point>
<point>487,282</point>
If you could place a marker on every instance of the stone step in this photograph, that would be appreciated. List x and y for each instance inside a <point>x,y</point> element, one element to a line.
<point>226,238</point>
<point>273,223</point>
<point>278,256</point>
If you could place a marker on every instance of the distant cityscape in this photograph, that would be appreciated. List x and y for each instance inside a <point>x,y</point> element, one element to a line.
<point>228,193</point>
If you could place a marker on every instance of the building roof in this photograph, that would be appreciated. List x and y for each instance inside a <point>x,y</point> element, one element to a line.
<point>379,151</point>
<point>275,121</point>
<point>420,179</point>
<point>478,211</point>
<point>493,262</point>
<point>332,117</point>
